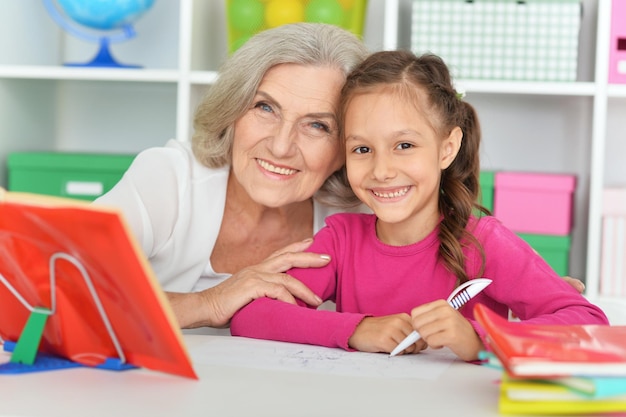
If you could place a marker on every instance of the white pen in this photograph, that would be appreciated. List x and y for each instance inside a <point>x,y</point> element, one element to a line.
<point>461,295</point>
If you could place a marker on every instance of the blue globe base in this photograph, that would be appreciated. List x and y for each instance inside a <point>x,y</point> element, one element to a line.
<point>103,58</point>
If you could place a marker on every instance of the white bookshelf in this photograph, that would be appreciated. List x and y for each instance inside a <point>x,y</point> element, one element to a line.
<point>47,106</point>
<point>570,127</point>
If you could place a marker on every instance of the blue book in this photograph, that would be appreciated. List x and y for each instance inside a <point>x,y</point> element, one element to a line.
<point>593,387</point>
<point>590,387</point>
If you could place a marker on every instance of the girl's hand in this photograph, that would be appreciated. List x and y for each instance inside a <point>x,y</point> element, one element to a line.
<point>382,334</point>
<point>441,325</point>
<point>215,306</point>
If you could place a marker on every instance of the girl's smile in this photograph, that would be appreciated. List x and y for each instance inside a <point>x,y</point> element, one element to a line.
<point>390,194</point>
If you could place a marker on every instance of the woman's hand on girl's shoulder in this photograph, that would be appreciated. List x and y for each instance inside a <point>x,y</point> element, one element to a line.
<point>214,307</point>
<point>576,283</point>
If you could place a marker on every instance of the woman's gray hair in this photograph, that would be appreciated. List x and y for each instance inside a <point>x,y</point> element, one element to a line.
<point>239,77</point>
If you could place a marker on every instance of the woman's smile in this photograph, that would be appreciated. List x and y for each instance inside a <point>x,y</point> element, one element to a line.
<point>274,169</point>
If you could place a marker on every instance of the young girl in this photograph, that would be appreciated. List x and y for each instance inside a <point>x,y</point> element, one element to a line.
<point>412,156</point>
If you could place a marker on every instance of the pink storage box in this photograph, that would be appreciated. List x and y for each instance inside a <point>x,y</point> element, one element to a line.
<point>535,203</point>
<point>613,259</point>
<point>617,53</point>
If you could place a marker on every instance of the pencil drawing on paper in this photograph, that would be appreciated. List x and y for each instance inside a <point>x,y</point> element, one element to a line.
<point>307,358</point>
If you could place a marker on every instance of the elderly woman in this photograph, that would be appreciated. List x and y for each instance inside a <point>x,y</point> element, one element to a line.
<point>218,219</point>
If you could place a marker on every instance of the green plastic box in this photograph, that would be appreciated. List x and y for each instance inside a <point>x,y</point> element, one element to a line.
<point>245,18</point>
<point>82,176</point>
<point>486,181</point>
<point>554,249</point>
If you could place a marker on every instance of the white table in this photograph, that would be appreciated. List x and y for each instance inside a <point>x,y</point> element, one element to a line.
<point>461,390</point>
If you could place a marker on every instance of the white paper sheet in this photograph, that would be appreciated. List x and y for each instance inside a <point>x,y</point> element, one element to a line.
<point>263,354</point>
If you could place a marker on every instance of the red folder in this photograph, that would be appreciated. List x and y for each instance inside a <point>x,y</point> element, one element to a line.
<point>83,260</point>
<point>542,350</point>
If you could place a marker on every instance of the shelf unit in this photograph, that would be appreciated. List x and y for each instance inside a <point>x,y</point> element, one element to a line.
<point>596,152</point>
<point>603,132</point>
<point>168,76</point>
<point>47,106</point>
<point>572,127</point>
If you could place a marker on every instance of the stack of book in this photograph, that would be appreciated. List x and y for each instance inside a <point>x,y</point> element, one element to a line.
<point>557,369</point>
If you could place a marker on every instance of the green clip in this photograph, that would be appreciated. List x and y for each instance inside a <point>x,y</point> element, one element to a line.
<point>28,343</point>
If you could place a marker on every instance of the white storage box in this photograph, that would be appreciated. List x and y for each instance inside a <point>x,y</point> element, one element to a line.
<point>613,268</point>
<point>533,40</point>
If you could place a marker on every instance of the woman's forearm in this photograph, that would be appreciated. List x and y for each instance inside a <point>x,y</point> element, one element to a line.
<point>192,309</point>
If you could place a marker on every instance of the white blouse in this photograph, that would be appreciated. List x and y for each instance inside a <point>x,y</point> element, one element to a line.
<point>175,206</point>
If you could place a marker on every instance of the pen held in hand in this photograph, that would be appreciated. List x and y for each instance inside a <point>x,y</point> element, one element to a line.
<point>461,295</point>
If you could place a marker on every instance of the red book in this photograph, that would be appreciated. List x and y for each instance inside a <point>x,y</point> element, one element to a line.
<point>82,261</point>
<point>539,350</point>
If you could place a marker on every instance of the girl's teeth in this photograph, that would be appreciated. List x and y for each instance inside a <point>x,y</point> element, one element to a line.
<point>398,193</point>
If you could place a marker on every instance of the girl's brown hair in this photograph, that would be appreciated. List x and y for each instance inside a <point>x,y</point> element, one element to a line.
<point>425,82</point>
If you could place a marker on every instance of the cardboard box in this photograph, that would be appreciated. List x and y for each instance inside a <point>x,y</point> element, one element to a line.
<point>74,175</point>
<point>535,203</point>
<point>617,52</point>
<point>553,249</point>
<point>244,18</point>
<point>533,40</point>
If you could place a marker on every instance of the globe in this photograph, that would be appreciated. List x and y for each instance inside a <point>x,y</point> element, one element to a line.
<point>112,20</point>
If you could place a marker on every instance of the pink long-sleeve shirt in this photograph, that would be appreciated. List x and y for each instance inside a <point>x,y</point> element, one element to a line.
<point>366,277</point>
